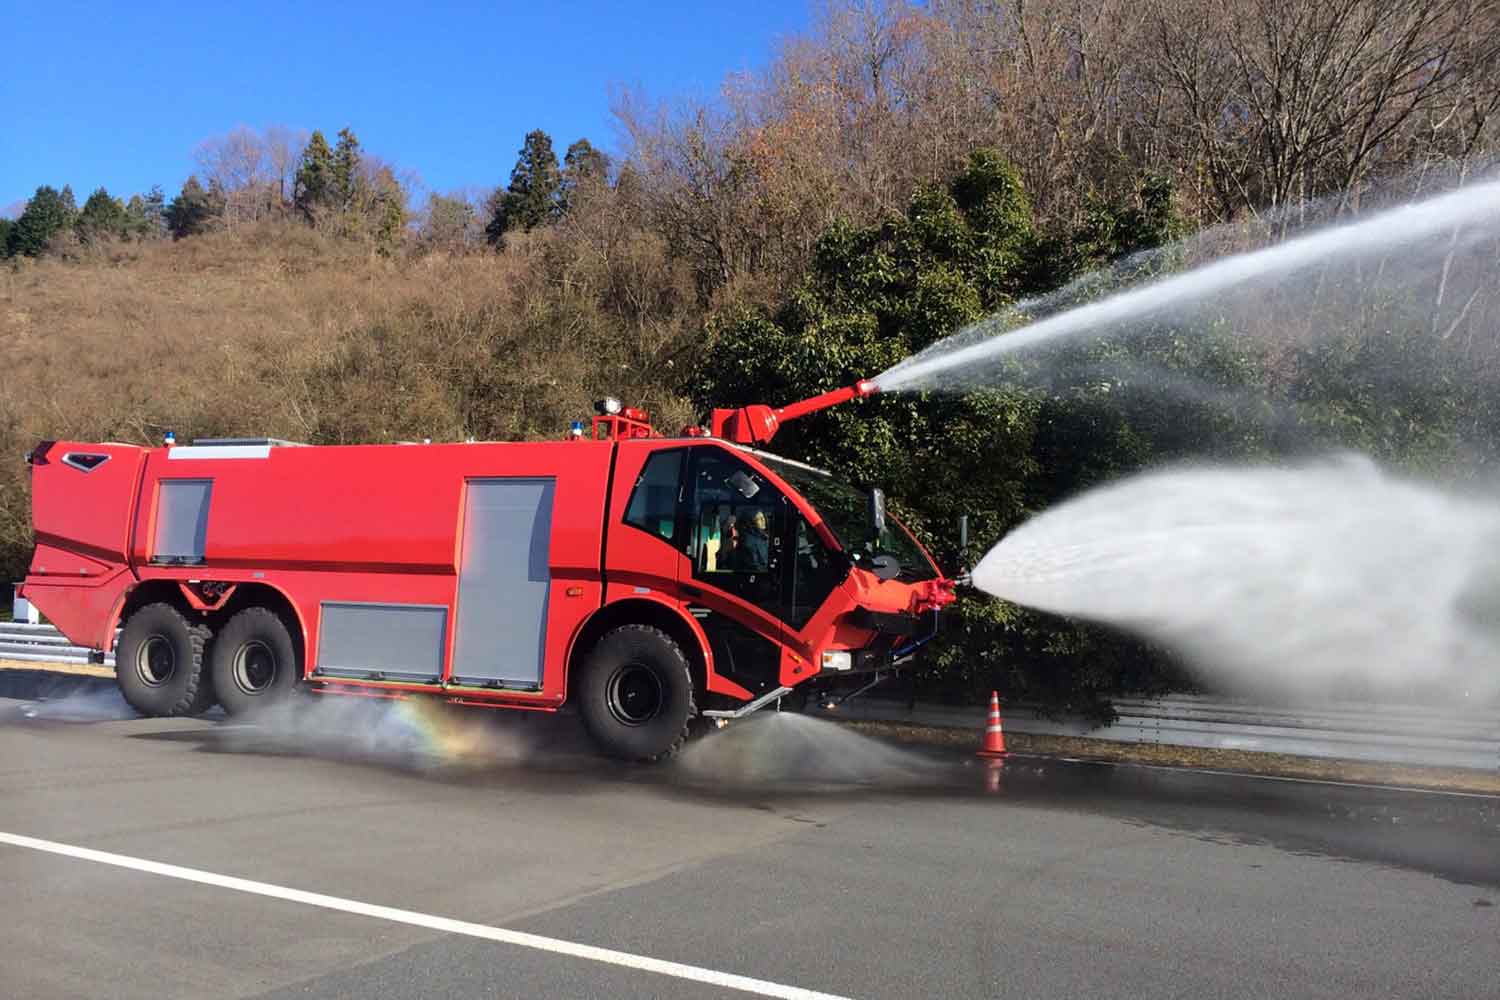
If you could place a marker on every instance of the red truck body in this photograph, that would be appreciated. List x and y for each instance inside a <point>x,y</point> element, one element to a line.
<point>482,573</point>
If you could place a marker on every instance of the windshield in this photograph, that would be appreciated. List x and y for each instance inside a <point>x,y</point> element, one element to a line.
<point>845,509</point>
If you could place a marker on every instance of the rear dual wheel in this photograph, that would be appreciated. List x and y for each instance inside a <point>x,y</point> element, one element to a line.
<point>254,662</point>
<point>168,666</point>
<point>159,663</point>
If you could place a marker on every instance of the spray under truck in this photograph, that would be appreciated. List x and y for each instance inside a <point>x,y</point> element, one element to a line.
<point>649,581</point>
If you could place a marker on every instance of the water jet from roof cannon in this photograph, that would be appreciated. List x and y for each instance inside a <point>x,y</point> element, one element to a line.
<point>1414,251</point>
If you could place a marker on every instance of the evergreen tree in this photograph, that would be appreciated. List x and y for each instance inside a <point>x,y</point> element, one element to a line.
<point>194,210</point>
<point>583,165</point>
<point>135,217</point>
<point>875,294</point>
<point>48,213</point>
<point>345,170</point>
<point>390,216</point>
<point>103,216</point>
<point>146,214</point>
<point>154,212</point>
<point>5,228</point>
<point>531,200</point>
<point>315,176</point>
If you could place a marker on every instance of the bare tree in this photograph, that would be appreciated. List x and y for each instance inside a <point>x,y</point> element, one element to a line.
<point>692,183</point>
<point>235,162</point>
<point>1293,99</point>
<point>446,221</point>
<point>1055,85</point>
<point>283,147</point>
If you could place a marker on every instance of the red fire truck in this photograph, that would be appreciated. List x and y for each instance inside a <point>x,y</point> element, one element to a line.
<point>648,580</point>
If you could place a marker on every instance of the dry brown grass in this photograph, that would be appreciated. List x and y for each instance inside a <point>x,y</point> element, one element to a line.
<point>277,330</point>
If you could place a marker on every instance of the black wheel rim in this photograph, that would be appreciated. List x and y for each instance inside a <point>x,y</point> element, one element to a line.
<point>634,694</point>
<point>155,661</point>
<point>254,667</point>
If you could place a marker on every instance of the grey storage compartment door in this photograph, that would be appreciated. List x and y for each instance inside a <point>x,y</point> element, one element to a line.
<point>503,579</point>
<point>397,642</point>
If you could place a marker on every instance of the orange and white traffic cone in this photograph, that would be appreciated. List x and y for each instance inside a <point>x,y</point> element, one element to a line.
<point>994,730</point>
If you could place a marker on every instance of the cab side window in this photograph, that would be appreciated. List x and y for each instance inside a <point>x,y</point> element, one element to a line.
<point>738,524</point>
<point>653,502</point>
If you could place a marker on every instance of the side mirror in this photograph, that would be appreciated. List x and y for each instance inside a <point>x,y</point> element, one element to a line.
<point>877,513</point>
<point>885,566</point>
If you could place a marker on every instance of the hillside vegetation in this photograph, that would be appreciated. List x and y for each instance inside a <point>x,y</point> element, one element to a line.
<point>897,174</point>
<point>276,330</point>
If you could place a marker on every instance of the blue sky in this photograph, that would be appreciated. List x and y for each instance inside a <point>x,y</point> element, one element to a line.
<point>120,94</point>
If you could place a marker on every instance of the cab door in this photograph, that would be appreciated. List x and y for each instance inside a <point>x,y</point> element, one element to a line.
<point>734,525</point>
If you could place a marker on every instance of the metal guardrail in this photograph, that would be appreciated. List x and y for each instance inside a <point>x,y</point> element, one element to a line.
<point>41,644</point>
<point>1396,734</point>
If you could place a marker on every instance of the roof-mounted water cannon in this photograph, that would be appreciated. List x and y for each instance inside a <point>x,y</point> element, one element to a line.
<point>758,423</point>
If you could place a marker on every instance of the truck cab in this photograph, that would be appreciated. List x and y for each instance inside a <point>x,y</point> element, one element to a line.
<point>766,552</point>
<point>766,573</point>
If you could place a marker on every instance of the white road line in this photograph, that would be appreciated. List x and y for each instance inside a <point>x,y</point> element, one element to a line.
<point>727,980</point>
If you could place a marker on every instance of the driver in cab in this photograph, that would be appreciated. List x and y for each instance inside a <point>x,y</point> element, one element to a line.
<point>746,545</point>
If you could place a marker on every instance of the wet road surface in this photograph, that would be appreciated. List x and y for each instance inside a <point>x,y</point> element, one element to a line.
<point>794,855</point>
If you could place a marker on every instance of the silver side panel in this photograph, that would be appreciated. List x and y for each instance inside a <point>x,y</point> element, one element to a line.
<point>503,581</point>
<point>195,450</point>
<point>181,519</point>
<point>397,641</point>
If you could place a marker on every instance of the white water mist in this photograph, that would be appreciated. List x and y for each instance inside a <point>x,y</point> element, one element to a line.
<point>415,734</point>
<point>785,749</point>
<point>1327,578</point>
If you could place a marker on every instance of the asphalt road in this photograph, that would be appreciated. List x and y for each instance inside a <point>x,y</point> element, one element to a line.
<point>788,852</point>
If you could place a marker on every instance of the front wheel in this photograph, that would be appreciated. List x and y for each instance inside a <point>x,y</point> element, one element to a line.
<point>635,693</point>
<point>254,662</point>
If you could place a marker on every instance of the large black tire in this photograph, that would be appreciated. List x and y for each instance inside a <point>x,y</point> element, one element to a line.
<point>254,663</point>
<point>159,663</point>
<point>635,693</point>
